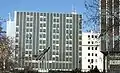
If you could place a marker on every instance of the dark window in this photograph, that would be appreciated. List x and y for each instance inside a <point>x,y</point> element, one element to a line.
<point>91,60</point>
<point>88,36</point>
<point>30,24</point>
<point>27,30</point>
<point>40,41</point>
<point>17,35</point>
<point>16,46</point>
<point>80,43</point>
<point>96,36</point>
<point>44,19</point>
<point>80,53</point>
<point>88,66</point>
<point>95,54</point>
<point>43,41</point>
<point>92,48</point>
<point>95,48</point>
<point>17,29</point>
<point>88,48</point>
<point>31,30</point>
<point>92,36</point>
<point>16,40</point>
<point>92,42</point>
<point>30,19</point>
<point>92,54</point>
<point>41,19</point>
<point>27,19</point>
<point>26,52</point>
<point>80,48</point>
<point>80,37</point>
<point>88,54</point>
<point>43,35</point>
<point>41,14</point>
<point>88,42</point>
<point>27,24</point>
<point>88,60</point>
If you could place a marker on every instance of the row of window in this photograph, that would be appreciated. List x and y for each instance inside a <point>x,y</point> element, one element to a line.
<point>45,14</point>
<point>92,42</point>
<point>92,36</point>
<point>92,54</point>
<point>92,48</point>
<point>54,20</point>
<point>91,60</point>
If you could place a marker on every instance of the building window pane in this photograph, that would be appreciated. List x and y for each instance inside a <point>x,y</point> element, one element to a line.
<point>88,54</point>
<point>95,48</point>
<point>88,48</point>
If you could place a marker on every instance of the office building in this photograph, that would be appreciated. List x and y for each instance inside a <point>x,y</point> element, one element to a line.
<point>91,55</point>
<point>110,33</point>
<point>62,32</point>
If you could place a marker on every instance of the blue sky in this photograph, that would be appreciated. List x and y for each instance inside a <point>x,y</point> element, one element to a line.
<point>7,6</point>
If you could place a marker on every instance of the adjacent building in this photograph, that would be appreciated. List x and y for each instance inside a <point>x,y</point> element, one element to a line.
<point>110,32</point>
<point>91,55</point>
<point>62,32</point>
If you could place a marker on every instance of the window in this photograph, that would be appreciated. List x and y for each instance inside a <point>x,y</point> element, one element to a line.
<point>17,29</point>
<point>30,19</point>
<point>16,40</point>
<point>80,43</point>
<point>88,36</point>
<point>27,46</point>
<point>44,30</point>
<point>92,36</point>
<point>92,54</point>
<point>88,42</point>
<point>80,53</point>
<point>31,30</point>
<point>91,60</point>
<point>40,41</point>
<point>41,19</point>
<point>92,42</point>
<point>80,37</point>
<point>88,54</point>
<point>88,60</point>
<point>43,41</point>
<point>27,19</point>
<point>95,48</point>
<point>43,35</point>
<point>96,36</point>
<point>95,54</point>
<point>92,48</point>
<point>30,24</point>
<point>30,52</point>
<point>88,66</point>
<point>17,35</point>
<point>80,48</point>
<point>26,52</point>
<point>44,19</point>
<point>44,25</point>
<point>88,48</point>
<point>27,24</point>
<point>27,30</point>
<point>16,46</point>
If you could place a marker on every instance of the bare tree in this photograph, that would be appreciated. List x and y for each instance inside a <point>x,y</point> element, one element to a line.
<point>6,51</point>
<point>92,15</point>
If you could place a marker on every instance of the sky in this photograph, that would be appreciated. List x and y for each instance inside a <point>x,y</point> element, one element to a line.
<point>9,6</point>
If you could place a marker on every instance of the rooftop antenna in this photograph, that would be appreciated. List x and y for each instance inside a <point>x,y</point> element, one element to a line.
<point>9,18</point>
<point>73,10</point>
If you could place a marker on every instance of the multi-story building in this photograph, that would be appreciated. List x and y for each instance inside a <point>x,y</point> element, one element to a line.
<point>91,55</point>
<point>110,33</point>
<point>62,32</point>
